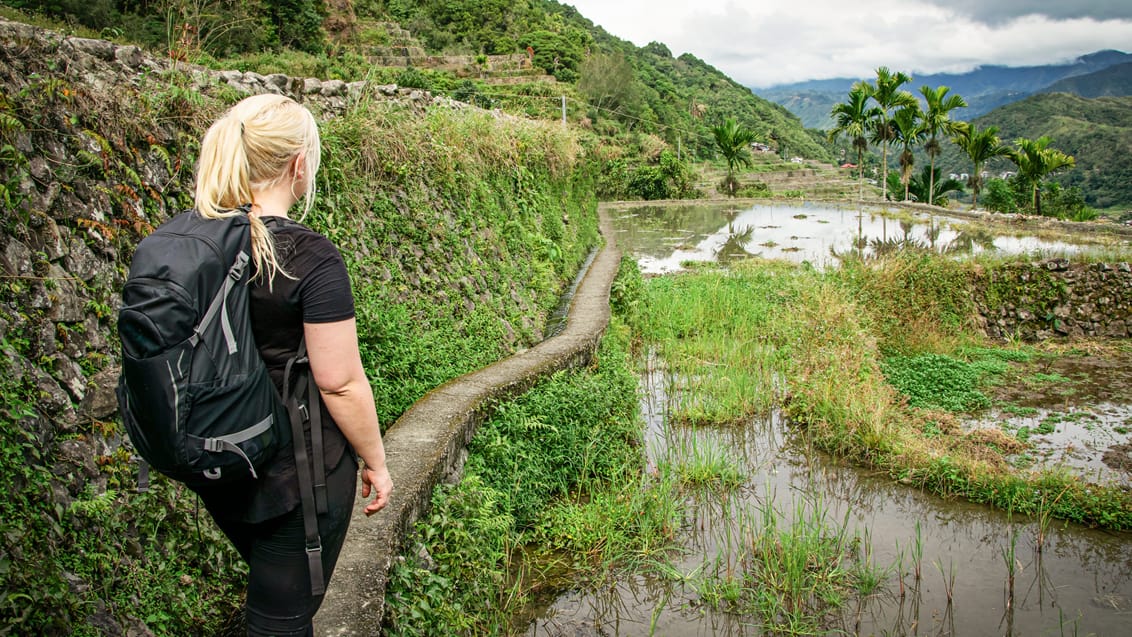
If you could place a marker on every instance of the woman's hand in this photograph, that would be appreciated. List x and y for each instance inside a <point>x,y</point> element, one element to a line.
<point>376,479</point>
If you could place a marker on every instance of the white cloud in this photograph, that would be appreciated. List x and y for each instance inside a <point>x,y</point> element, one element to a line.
<point>761,44</point>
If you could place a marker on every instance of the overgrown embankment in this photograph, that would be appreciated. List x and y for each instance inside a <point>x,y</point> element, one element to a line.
<point>459,228</point>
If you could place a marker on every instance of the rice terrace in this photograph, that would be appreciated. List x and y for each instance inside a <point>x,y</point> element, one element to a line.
<point>656,347</point>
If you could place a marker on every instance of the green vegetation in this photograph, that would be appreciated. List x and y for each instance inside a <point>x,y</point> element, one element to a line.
<point>636,101</point>
<point>980,146</point>
<point>1095,132</point>
<point>885,114</point>
<point>793,578</point>
<point>555,476</point>
<point>936,121</point>
<point>734,144</point>
<point>1035,161</point>
<point>732,337</point>
<point>888,96</point>
<point>64,563</point>
<point>853,118</point>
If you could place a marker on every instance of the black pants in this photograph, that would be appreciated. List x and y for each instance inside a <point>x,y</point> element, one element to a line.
<point>279,600</point>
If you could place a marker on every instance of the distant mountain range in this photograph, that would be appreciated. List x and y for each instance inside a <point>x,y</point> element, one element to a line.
<point>1104,73</point>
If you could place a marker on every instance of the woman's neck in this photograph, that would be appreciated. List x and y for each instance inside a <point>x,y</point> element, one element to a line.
<point>274,201</point>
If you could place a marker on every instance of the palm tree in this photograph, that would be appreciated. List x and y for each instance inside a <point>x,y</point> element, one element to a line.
<point>852,118</point>
<point>734,143</point>
<point>937,119</point>
<point>1036,161</point>
<point>928,178</point>
<point>909,131</point>
<point>980,146</point>
<point>888,95</point>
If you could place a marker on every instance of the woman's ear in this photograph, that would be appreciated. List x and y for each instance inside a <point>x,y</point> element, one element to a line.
<point>298,165</point>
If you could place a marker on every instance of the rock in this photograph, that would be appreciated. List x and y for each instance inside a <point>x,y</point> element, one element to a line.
<point>355,90</point>
<point>68,304</point>
<point>129,56</point>
<point>100,401</point>
<point>70,377</point>
<point>312,86</point>
<point>332,88</point>
<point>101,49</point>
<point>95,334</point>
<point>277,82</point>
<point>15,260</point>
<point>52,398</point>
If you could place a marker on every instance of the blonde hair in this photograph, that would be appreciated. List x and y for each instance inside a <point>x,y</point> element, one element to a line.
<point>250,148</point>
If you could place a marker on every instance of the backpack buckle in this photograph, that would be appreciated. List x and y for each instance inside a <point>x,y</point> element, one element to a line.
<point>304,412</point>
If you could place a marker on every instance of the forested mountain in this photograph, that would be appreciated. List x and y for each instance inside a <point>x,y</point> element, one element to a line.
<point>1096,132</point>
<point>1114,81</point>
<point>985,88</point>
<point>523,55</point>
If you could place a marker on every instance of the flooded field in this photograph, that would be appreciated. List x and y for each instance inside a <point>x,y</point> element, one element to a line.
<point>947,567</point>
<point>663,237</point>
<point>932,566</point>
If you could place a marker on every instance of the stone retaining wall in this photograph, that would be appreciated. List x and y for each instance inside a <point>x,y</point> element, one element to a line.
<point>1055,298</point>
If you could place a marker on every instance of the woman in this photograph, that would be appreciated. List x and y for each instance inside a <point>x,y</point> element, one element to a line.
<point>265,152</point>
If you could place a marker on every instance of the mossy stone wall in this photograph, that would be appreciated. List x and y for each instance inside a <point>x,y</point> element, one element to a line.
<point>1055,298</point>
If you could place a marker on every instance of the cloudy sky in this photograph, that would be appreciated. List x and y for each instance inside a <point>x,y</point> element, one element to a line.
<point>761,43</point>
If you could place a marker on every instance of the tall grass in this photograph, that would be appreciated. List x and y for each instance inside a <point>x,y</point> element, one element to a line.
<point>793,578</point>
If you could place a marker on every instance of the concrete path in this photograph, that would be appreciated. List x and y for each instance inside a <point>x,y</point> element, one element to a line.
<point>427,444</point>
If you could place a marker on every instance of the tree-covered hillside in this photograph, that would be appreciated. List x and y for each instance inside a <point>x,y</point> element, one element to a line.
<point>1096,132</point>
<point>1114,81</point>
<point>611,86</point>
<point>641,88</point>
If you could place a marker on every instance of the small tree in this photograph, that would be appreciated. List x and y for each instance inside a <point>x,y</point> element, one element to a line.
<point>908,129</point>
<point>734,143</point>
<point>980,146</point>
<point>1036,161</point>
<point>609,84</point>
<point>937,119</point>
<point>888,96</point>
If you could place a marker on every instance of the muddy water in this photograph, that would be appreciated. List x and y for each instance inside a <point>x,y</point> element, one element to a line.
<point>661,238</point>
<point>1079,584</point>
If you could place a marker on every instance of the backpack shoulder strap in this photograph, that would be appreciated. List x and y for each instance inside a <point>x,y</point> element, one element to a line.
<point>299,414</point>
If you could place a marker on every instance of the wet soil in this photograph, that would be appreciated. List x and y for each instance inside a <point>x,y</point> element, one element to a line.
<point>1070,407</point>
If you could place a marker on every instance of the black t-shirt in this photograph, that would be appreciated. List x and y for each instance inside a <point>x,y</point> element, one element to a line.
<point>317,291</point>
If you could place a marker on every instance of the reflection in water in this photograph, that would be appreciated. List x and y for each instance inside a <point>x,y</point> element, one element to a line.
<point>951,565</point>
<point>661,238</point>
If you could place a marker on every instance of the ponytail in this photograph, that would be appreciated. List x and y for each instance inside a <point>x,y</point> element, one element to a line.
<point>250,147</point>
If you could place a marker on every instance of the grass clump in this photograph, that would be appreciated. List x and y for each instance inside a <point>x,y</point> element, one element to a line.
<point>794,578</point>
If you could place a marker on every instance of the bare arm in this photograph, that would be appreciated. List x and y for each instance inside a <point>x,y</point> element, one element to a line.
<point>342,382</point>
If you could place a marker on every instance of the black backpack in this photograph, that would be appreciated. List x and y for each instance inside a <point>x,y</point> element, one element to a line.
<point>195,396</point>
